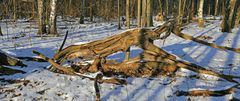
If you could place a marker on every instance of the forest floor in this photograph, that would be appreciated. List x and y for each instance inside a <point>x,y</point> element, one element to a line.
<point>38,83</point>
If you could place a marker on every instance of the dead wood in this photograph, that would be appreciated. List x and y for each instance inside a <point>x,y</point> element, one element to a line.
<point>70,71</point>
<point>98,77</point>
<point>207,92</point>
<point>10,61</point>
<point>31,59</point>
<point>188,37</point>
<point>64,40</point>
<point>121,42</point>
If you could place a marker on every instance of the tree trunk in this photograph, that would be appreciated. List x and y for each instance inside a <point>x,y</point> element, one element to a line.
<point>81,21</point>
<point>160,7</point>
<point>41,17</point>
<point>144,14</point>
<point>216,7</point>
<point>14,10</point>
<point>52,19</point>
<point>139,13</point>
<point>119,23</point>
<point>237,20</point>
<point>181,7</point>
<point>1,34</point>
<point>192,13</point>
<point>167,7</point>
<point>231,15</point>
<point>200,14</point>
<point>149,13</point>
<point>91,10</point>
<point>127,14</point>
<point>225,23</point>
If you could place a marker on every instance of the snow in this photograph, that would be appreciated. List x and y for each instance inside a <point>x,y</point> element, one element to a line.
<point>19,40</point>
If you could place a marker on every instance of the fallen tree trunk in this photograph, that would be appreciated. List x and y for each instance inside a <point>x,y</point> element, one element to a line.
<point>10,61</point>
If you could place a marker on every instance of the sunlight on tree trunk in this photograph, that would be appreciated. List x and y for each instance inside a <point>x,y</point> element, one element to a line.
<point>127,14</point>
<point>52,20</point>
<point>139,13</point>
<point>200,14</point>
<point>41,17</point>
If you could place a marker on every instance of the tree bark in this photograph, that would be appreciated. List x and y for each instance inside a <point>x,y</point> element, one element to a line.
<point>216,7</point>
<point>119,15</point>
<point>225,23</point>
<point>139,12</point>
<point>237,20</point>
<point>41,17</point>
<point>127,14</point>
<point>200,14</point>
<point>91,10</point>
<point>53,18</point>
<point>149,13</point>
<point>144,14</point>
<point>1,34</point>
<point>81,21</point>
<point>14,10</point>
<point>232,11</point>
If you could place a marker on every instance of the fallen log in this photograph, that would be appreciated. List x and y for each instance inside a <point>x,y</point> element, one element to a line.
<point>5,59</point>
<point>189,37</point>
<point>206,93</point>
<point>70,71</point>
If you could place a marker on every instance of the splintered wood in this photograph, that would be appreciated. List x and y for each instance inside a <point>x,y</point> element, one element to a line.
<point>152,62</point>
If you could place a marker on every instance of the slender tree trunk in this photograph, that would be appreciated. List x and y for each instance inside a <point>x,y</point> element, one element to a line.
<point>192,13</point>
<point>216,7</point>
<point>52,19</point>
<point>127,14</point>
<point>167,7</point>
<point>119,23</point>
<point>14,10</point>
<point>149,13</point>
<point>81,21</point>
<point>237,20</point>
<point>91,10</point>
<point>180,13</point>
<point>232,11</point>
<point>225,23</point>
<point>139,12</point>
<point>160,7</point>
<point>41,17</point>
<point>1,34</point>
<point>144,14</point>
<point>200,14</point>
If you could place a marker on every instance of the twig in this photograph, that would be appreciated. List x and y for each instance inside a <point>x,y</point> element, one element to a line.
<point>64,40</point>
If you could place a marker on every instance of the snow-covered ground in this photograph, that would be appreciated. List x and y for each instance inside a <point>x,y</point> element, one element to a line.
<point>19,40</point>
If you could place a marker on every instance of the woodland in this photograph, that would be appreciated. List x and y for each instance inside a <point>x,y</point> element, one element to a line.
<point>120,50</point>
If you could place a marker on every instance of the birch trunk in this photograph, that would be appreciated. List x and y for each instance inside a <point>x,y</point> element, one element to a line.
<point>41,17</point>
<point>52,19</point>
<point>200,14</point>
